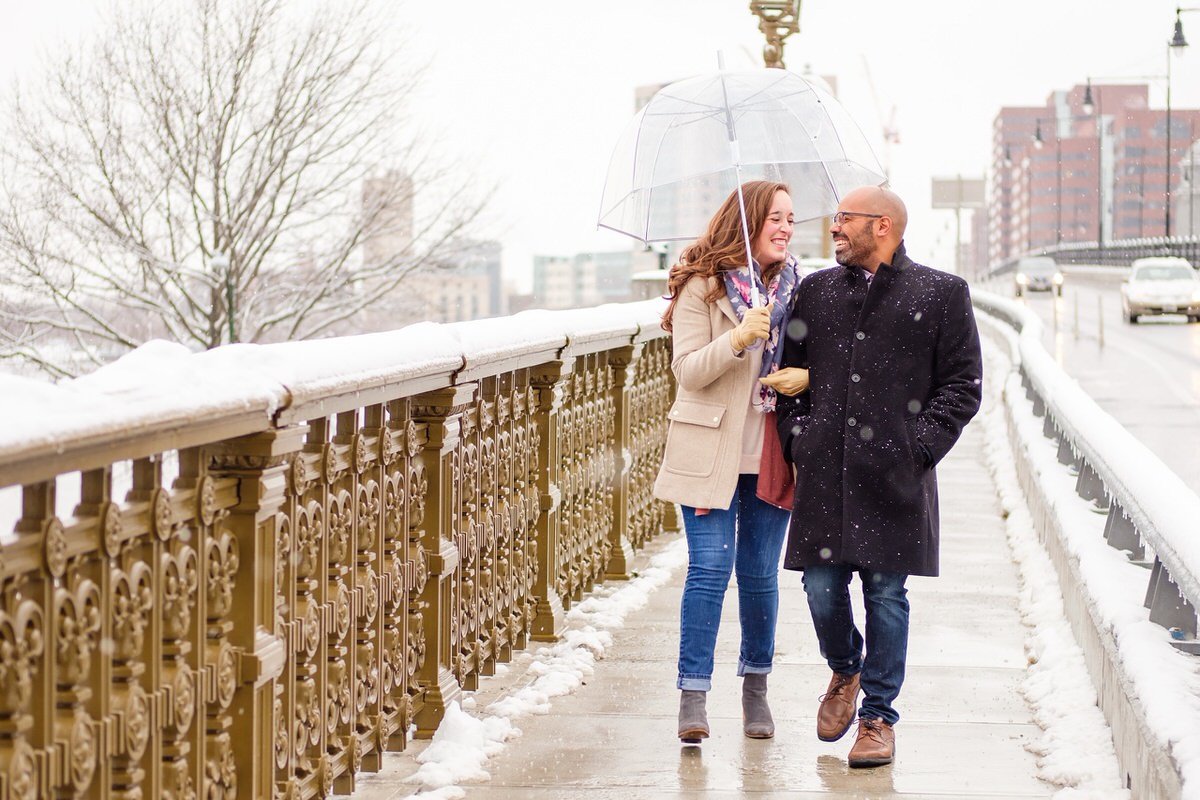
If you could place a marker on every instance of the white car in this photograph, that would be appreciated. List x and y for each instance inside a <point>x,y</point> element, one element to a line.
<point>1161,285</point>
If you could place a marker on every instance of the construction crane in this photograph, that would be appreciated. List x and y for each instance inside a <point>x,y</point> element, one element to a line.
<point>887,127</point>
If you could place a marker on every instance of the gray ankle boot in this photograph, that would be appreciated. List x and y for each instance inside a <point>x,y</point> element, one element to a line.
<point>756,715</point>
<point>693,720</point>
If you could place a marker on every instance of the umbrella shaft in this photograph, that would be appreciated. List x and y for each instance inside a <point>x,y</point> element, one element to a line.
<point>737,171</point>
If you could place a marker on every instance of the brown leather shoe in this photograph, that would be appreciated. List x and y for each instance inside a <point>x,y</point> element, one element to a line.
<point>838,704</point>
<point>875,746</point>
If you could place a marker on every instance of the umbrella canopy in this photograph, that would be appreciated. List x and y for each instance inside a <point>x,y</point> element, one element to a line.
<point>697,140</point>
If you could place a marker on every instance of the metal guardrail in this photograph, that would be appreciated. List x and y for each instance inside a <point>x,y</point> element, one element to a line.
<point>1119,253</point>
<point>1101,451</point>
<point>277,562</point>
<point>1119,476</point>
<point>1151,516</point>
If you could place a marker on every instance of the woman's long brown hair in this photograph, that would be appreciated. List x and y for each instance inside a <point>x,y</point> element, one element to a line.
<point>722,246</point>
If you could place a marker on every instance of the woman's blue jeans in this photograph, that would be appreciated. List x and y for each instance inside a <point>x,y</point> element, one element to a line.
<point>885,603</point>
<point>745,539</point>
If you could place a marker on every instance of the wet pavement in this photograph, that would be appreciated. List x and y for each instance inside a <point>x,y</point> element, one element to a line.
<point>964,722</point>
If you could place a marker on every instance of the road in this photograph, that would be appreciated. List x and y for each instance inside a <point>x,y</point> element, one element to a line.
<point>1146,376</point>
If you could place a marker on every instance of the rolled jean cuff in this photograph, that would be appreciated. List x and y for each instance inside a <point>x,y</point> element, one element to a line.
<point>745,668</point>
<point>694,683</point>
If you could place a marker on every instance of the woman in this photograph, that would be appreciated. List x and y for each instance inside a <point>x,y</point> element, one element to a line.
<point>722,455</point>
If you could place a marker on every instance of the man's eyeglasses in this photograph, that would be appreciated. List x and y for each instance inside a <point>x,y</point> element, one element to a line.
<point>840,217</point>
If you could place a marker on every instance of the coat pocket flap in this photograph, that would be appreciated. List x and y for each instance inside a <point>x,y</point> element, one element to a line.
<point>697,412</point>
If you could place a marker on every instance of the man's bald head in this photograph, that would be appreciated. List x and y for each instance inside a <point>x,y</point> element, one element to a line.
<point>878,200</point>
<point>872,229</point>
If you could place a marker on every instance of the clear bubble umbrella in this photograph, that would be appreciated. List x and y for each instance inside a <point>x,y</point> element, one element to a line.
<point>699,139</point>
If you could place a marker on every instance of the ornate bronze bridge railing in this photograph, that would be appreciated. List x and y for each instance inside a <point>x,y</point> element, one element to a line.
<point>253,571</point>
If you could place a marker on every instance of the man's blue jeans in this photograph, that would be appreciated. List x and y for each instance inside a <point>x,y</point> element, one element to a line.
<point>746,538</point>
<point>885,602</point>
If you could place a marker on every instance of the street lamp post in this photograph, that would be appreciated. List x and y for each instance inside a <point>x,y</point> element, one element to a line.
<point>1174,46</point>
<point>1141,206</point>
<point>1088,105</point>
<point>1038,142</point>
<point>1007,229</point>
<point>777,19</point>
<point>1028,204</point>
<point>1191,178</point>
<point>1177,41</point>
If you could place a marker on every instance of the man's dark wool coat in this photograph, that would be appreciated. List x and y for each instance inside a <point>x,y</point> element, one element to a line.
<point>895,374</point>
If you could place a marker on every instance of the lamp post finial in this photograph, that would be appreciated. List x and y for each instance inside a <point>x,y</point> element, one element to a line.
<point>777,19</point>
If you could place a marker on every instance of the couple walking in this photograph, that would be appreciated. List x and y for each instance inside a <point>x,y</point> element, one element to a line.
<point>820,414</point>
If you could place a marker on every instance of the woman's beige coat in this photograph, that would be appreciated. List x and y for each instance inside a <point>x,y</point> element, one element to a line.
<point>704,436</point>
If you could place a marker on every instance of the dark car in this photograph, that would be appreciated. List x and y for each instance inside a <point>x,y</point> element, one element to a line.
<point>1038,274</point>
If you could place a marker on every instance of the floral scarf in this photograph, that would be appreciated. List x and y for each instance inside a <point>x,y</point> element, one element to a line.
<point>783,286</point>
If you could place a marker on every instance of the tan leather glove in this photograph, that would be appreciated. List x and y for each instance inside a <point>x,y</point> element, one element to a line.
<point>787,380</point>
<point>756,324</point>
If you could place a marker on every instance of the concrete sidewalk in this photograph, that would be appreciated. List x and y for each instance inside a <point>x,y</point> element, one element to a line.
<point>964,722</point>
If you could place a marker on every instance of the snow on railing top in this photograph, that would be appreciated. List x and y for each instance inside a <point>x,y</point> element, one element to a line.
<point>163,388</point>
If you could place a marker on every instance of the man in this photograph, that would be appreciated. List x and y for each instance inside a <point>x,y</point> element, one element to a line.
<point>895,374</point>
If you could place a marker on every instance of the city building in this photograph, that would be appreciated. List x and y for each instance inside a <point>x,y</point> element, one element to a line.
<point>388,199</point>
<point>464,285</point>
<point>1088,166</point>
<point>1186,212</point>
<point>590,279</point>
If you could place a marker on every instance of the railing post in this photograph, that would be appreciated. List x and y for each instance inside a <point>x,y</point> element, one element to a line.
<point>29,634</point>
<point>1049,429</point>
<point>471,608</point>
<point>22,637</point>
<point>246,603</point>
<point>441,413</point>
<point>1090,487</point>
<point>1121,534</point>
<point>622,362</point>
<point>1067,456</point>
<point>1168,607</point>
<point>549,615</point>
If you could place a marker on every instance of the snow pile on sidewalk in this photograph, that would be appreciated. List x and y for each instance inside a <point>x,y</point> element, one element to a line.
<point>1075,750</point>
<point>464,742</point>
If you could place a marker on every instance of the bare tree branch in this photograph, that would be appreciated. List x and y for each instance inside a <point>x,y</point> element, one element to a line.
<point>272,133</point>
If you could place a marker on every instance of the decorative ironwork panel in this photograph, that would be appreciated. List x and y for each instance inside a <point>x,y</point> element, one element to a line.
<point>651,392</point>
<point>586,466</point>
<point>112,647</point>
<point>267,614</point>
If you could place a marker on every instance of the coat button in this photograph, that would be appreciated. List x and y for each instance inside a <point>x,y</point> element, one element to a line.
<point>855,378</point>
<point>852,422</point>
<point>860,336</point>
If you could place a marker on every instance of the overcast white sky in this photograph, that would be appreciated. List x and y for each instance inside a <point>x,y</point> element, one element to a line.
<point>534,93</point>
